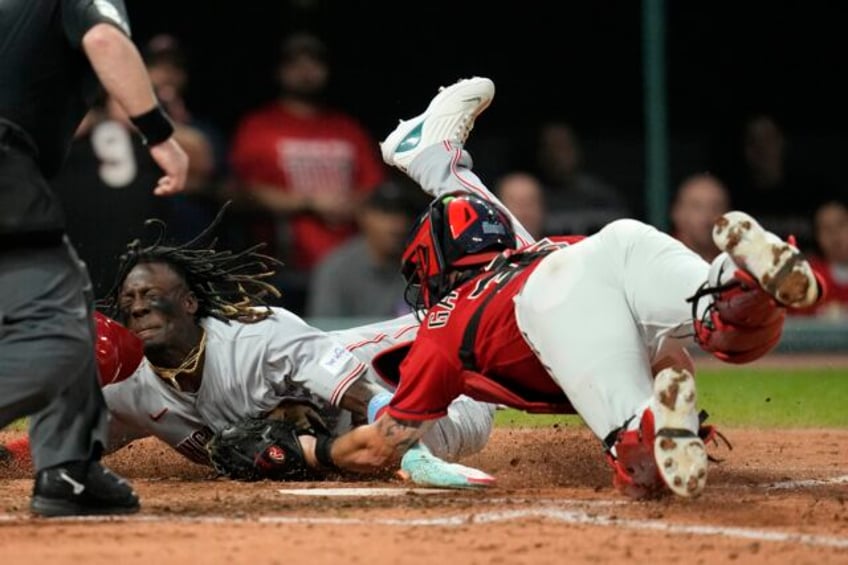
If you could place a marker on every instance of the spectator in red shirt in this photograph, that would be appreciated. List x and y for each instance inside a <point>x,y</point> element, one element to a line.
<point>830,230</point>
<point>305,164</point>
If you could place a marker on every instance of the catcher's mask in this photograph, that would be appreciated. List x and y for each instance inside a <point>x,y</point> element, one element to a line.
<point>456,233</point>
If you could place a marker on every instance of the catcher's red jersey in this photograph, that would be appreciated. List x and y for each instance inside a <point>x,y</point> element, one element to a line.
<point>507,371</point>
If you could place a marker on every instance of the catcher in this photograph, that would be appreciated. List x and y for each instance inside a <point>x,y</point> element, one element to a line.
<point>595,325</point>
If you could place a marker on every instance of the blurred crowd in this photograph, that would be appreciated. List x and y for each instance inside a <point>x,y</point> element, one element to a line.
<point>306,179</point>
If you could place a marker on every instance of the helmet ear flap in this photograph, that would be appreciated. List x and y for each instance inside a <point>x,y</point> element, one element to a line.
<point>438,227</point>
<point>418,257</point>
<point>426,235</point>
<point>422,261</point>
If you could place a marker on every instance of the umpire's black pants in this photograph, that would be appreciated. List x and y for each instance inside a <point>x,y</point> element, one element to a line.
<point>47,364</point>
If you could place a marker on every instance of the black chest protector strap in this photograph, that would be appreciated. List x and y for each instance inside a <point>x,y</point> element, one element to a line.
<point>503,267</point>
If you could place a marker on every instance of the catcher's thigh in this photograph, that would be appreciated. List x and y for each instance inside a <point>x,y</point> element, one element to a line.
<point>596,312</point>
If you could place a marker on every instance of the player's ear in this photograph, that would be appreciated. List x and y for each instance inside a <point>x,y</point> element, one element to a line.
<point>190,302</point>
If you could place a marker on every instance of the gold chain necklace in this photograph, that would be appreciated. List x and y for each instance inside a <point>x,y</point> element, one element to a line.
<point>189,364</point>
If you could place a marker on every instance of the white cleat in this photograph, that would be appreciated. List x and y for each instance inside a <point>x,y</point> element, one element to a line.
<point>678,451</point>
<point>778,266</point>
<point>449,117</point>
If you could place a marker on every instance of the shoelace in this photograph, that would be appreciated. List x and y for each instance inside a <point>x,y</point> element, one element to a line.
<point>710,434</point>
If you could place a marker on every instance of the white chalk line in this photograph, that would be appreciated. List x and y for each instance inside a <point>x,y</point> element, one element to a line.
<point>786,485</point>
<point>392,491</point>
<point>808,483</point>
<point>563,515</point>
<point>364,491</point>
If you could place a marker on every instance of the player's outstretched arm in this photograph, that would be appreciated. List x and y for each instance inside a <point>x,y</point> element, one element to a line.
<point>375,447</point>
<point>382,445</point>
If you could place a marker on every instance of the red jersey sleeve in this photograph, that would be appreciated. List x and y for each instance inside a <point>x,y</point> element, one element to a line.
<point>429,382</point>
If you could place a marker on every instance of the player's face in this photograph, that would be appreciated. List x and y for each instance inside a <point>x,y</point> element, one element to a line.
<point>157,306</point>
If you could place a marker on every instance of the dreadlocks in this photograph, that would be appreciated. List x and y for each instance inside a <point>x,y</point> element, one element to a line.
<point>227,285</point>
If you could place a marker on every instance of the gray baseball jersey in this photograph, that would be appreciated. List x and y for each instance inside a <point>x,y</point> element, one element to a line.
<point>250,367</point>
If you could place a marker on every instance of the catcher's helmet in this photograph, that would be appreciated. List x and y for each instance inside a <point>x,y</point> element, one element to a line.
<point>455,233</point>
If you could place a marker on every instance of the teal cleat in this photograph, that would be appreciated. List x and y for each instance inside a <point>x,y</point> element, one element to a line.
<point>423,468</point>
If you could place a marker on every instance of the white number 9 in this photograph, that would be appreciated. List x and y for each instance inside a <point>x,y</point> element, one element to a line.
<point>112,145</point>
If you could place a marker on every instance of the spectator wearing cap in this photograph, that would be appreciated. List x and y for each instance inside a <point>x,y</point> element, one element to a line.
<point>361,278</point>
<point>303,165</point>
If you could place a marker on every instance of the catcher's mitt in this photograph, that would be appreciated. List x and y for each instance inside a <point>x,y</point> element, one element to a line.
<point>256,448</point>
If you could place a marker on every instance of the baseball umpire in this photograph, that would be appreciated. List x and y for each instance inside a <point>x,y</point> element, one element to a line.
<point>53,53</point>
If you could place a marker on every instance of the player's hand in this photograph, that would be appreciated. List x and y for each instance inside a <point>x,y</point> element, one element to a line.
<point>174,163</point>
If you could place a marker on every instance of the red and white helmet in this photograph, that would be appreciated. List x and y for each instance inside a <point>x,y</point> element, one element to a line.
<point>456,232</point>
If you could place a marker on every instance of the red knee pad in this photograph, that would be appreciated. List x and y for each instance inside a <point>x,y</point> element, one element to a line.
<point>742,324</point>
<point>119,352</point>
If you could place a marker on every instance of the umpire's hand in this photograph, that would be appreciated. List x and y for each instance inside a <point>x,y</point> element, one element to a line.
<point>173,161</point>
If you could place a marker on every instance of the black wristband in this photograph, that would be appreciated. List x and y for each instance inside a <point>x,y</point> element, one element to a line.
<point>323,445</point>
<point>154,126</point>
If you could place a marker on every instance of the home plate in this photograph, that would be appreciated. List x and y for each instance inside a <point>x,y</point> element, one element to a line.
<point>362,491</point>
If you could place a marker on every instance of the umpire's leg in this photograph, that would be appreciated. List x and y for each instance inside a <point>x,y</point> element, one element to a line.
<point>47,365</point>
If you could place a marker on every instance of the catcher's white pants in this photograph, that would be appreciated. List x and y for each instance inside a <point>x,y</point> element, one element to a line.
<point>600,313</point>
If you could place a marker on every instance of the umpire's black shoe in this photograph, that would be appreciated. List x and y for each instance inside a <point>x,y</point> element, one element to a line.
<point>82,488</point>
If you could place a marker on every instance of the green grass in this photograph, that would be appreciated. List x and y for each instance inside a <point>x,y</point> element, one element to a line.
<point>17,425</point>
<point>748,397</point>
<point>787,398</point>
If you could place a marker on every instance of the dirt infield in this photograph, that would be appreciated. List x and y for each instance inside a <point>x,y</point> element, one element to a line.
<point>779,497</point>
